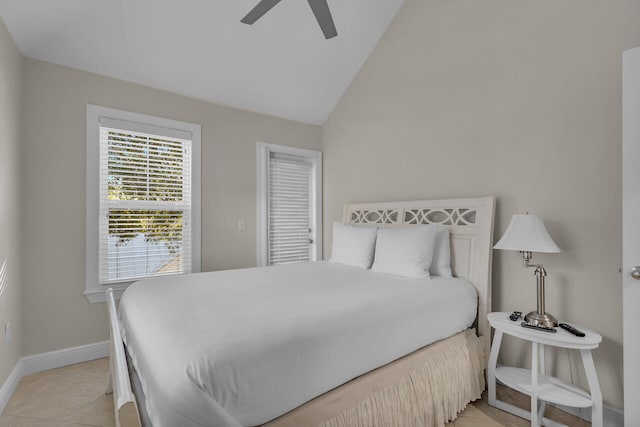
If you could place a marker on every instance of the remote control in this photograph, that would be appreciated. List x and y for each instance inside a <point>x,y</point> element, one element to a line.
<point>515,315</point>
<point>538,327</point>
<point>571,329</point>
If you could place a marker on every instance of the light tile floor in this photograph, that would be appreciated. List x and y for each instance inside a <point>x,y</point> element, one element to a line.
<point>74,396</point>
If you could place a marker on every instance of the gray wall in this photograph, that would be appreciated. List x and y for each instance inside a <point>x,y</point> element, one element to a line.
<point>55,312</point>
<point>10,126</point>
<point>521,100</point>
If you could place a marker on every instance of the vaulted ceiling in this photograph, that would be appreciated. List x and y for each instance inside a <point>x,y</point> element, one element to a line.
<point>281,65</point>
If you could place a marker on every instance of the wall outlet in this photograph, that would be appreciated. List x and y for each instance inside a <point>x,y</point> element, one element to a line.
<point>242,225</point>
<point>7,332</point>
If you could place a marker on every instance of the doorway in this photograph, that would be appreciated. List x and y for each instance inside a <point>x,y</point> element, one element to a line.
<point>289,204</point>
<point>631,234</point>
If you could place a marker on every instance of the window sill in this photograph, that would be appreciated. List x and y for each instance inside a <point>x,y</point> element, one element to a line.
<point>100,295</point>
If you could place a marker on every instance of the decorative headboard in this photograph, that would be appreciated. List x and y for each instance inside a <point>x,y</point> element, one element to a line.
<point>471,222</point>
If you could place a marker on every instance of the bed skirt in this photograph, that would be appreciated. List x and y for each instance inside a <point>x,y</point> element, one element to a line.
<point>426,388</point>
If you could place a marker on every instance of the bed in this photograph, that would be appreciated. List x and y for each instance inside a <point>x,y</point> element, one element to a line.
<point>345,347</point>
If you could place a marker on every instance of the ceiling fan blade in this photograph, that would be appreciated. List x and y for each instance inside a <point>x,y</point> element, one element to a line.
<point>323,16</point>
<point>260,9</point>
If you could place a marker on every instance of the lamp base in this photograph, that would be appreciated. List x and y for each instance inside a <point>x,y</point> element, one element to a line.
<point>535,318</point>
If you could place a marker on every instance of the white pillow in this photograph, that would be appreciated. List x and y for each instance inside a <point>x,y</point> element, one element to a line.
<point>441,263</point>
<point>405,251</point>
<point>353,245</point>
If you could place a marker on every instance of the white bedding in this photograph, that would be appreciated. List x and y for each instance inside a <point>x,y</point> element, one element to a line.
<point>241,347</point>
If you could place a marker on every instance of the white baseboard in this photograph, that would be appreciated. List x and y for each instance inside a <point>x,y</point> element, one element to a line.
<point>65,357</point>
<point>612,417</point>
<point>53,359</point>
<point>10,384</point>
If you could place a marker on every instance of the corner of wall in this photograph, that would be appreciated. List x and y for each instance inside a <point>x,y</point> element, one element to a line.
<point>11,68</point>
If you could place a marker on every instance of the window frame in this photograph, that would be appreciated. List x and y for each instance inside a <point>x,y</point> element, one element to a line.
<point>94,290</point>
<point>264,151</point>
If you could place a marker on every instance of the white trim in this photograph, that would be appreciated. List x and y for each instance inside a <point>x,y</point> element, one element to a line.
<point>10,385</point>
<point>53,359</point>
<point>94,291</point>
<point>98,295</point>
<point>613,417</point>
<point>64,357</point>
<point>263,151</point>
<point>262,169</point>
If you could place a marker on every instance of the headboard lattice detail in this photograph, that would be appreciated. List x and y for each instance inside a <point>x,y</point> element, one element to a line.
<point>376,216</point>
<point>458,216</point>
<point>440,216</point>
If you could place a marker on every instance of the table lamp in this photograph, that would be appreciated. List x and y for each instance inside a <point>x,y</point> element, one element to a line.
<point>527,234</point>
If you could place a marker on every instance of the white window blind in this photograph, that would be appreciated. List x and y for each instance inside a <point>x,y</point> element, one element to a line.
<point>145,201</point>
<point>289,215</point>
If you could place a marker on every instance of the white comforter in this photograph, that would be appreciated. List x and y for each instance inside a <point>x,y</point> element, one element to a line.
<point>241,347</point>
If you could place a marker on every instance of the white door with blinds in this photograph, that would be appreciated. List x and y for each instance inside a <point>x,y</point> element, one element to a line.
<point>290,210</point>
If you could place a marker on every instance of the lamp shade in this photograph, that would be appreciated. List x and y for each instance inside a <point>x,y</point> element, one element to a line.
<point>527,233</point>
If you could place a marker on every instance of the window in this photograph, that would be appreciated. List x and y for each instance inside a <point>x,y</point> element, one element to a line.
<point>143,215</point>
<point>289,205</point>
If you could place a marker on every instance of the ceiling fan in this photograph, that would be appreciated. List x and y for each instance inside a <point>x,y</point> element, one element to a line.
<point>320,9</point>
